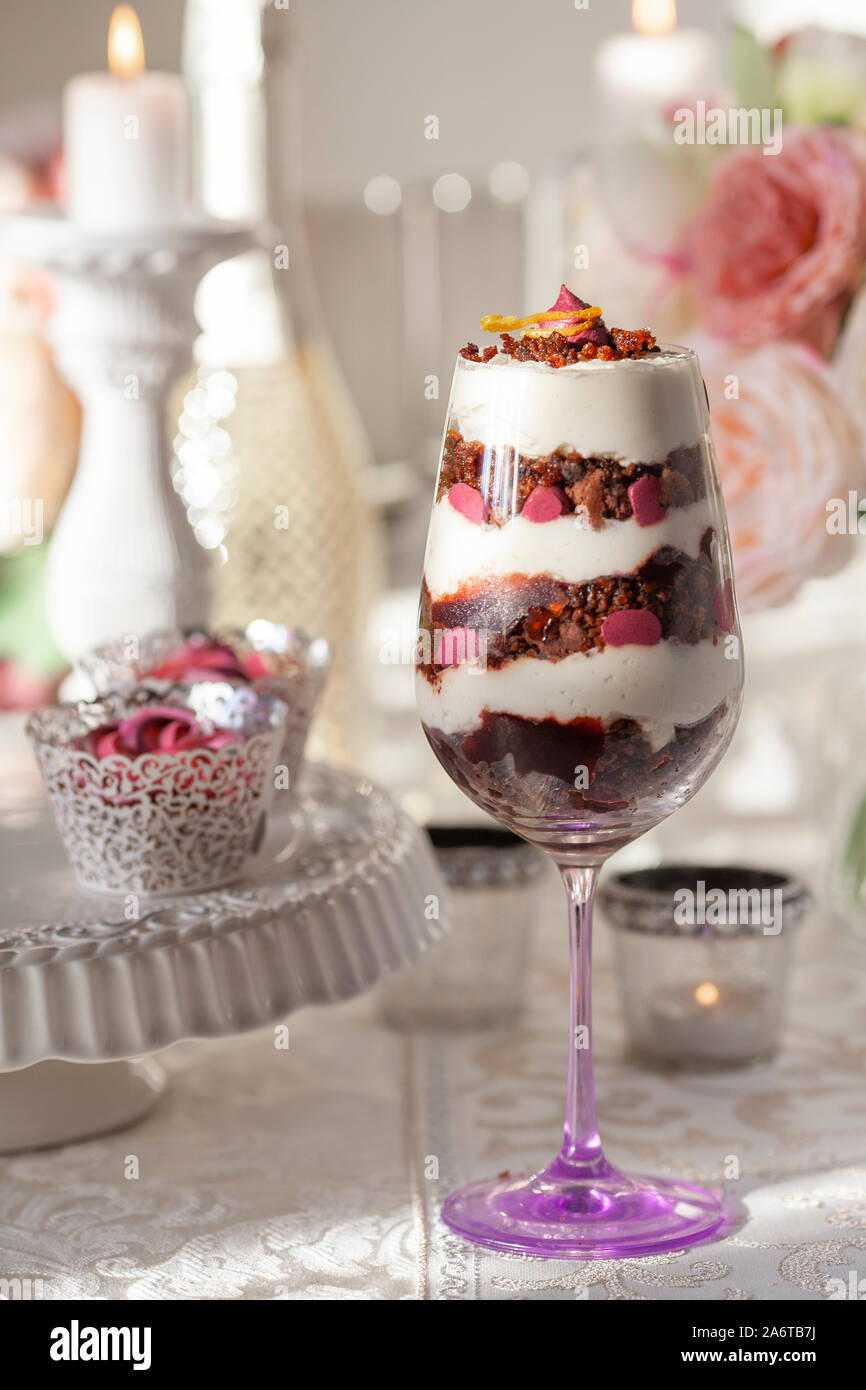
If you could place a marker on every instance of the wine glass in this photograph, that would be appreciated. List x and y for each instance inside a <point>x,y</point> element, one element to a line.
<point>579,676</point>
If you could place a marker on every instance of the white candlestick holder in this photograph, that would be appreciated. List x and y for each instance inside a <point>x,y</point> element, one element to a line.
<point>123,558</point>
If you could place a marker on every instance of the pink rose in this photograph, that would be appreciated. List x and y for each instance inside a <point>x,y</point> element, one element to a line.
<point>154,729</point>
<point>779,244</point>
<point>786,444</point>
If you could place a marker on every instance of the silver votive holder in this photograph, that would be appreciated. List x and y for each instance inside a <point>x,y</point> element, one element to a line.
<point>475,977</point>
<point>703,958</point>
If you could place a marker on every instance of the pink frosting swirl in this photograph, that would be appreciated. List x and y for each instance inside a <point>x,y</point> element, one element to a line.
<point>777,248</point>
<point>204,659</point>
<point>153,729</point>
<point>566,301</point>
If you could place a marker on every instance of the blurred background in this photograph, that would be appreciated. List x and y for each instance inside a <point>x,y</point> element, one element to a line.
<point>423,165</point>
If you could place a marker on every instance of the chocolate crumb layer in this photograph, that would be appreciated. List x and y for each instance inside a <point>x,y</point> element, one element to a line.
<point>599,486</point>
<point>549,619</point>
<point>472,354</point>
<point>557,351</point>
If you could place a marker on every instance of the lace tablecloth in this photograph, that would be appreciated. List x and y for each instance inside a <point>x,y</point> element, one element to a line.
<point>317,1171</point>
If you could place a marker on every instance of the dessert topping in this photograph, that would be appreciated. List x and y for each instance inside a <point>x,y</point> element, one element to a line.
<point>570,331</point>
<point>570,321</point>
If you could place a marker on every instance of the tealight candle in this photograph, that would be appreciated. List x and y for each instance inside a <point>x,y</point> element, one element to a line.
<point>703,956</point>
<point>127,139</point>
<point>711,1024</point>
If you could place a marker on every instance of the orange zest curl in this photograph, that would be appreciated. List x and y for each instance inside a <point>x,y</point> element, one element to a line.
<point>580,319</point>
<point>566,329</point>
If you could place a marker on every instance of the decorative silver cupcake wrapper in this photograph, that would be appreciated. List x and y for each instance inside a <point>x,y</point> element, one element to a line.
<point>162,822</point>
<point>299,664</point>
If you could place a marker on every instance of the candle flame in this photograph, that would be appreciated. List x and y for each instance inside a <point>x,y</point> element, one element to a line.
<point>654,16</point>
<point>125,44</point>
<point>707,994</point>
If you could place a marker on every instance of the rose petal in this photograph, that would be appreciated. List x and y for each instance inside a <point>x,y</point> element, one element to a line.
<point>631,627</point>
<point>779,240</point>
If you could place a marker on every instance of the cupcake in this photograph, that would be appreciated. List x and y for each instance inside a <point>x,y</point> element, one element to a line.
<point>270,658</point>
<point>158,792</point>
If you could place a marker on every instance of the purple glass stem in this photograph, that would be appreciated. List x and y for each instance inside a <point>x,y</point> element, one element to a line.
<point>581,1206</point>
<point>581,1154</point>
<point>581,1150</point>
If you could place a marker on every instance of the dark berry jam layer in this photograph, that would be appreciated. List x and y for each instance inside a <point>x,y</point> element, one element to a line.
<point>543,617</point>
<point>539,766</point>
<point>599,486</point>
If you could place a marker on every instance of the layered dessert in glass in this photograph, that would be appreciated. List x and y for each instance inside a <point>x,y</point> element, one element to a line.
<point>573,670</point>
<point>579,676</point>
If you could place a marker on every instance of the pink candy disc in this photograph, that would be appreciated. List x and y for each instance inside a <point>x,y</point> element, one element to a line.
<point>542,504</point>
<point>723,606</point>
<point>468,501</point>
<point>646,503</point>
<point>631,627</point>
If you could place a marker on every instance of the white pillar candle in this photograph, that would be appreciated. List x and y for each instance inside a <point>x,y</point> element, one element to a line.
<point>127,139</point>
<point>640,74</point>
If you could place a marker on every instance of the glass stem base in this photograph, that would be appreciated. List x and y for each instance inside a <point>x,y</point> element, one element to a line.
<point>602,1215</point>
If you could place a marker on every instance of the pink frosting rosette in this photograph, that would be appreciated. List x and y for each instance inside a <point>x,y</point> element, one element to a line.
<point>786,445</point>
<point>565,303</point>
<point>203,658</point>
<point>266,658</point>
<point>160,793</point>
<point>778,246</point>
<point>154,729</point>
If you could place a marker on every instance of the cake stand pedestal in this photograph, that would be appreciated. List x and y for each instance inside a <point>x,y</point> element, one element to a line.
<point>123,557</point>
<point>344,889</point>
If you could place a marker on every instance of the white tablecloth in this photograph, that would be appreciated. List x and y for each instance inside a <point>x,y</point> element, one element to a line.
<point>317,1171</point>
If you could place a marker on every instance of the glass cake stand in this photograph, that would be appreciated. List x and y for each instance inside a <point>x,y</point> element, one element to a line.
<point>338,896</point>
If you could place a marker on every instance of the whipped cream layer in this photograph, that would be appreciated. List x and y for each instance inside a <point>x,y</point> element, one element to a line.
<point>659,687</point>
<point>637,410</point>
<point>568,548</point>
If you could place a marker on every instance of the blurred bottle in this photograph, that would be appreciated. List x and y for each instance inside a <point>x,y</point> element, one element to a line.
<point>272,458</point>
